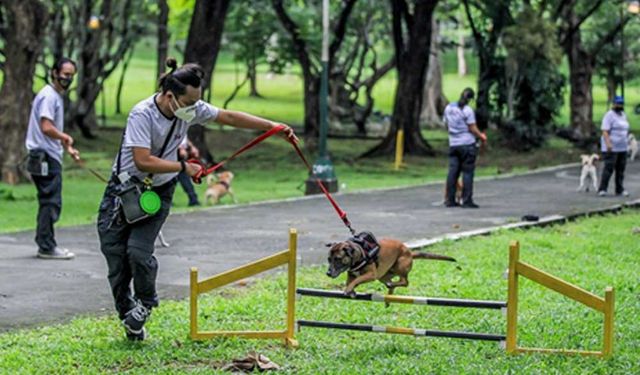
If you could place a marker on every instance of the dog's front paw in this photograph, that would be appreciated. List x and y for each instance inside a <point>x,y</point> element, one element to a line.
<point>350,293</point>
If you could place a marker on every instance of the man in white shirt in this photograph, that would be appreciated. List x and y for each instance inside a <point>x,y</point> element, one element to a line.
<point>46,141</point>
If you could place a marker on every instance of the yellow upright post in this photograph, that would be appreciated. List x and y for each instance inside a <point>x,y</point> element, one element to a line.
<point>512,298</point>
<point>194,302</point>
<point>290,341</point>
<point>609,296</point>
<point>399,149</point>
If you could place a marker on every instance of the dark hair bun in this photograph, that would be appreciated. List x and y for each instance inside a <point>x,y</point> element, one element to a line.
<point>172,63</point>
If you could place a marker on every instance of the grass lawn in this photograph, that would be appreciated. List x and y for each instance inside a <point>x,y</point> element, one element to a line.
<point>592,253</point>
<point>271,170</point>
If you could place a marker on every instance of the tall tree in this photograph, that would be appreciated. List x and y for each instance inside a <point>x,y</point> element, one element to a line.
<point>22,27</point>
<point>487,22</point>
<point>412,43</point>
<point>434,100</point>
<point>163,36</point>
<point>573,15</point>
<point>203,46</point>
<point>308,58</point>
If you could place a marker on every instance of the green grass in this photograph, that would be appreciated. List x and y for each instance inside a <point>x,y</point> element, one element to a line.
<point>271,170</point>
<point>592,253</point>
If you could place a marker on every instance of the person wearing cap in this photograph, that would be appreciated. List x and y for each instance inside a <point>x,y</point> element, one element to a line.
<point>613,143</point>
<point>46,142</point>
<point>156,127</point>
<point>463,135</point>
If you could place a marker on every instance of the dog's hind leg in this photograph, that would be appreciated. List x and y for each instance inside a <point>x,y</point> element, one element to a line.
<point>233,196</point>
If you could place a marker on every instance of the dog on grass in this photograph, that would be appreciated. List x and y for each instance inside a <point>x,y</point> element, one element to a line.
<point>632,146</point>
<point>589,170</point>
<point>394,260</point>
<point>218,185</point>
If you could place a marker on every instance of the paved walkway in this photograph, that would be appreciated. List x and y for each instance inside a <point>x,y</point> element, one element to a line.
<point>35,292</point>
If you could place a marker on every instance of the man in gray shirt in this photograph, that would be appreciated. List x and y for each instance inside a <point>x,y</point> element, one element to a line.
<point>46,141</point>
<point>461,123</point>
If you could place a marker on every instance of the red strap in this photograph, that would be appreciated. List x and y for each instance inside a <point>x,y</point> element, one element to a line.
<point>197,178</point>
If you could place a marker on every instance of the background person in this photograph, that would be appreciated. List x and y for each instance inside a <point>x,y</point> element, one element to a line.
<point>461,125</point>
<point>188,151</point>
<point>156,123</point>
<point>46,142</point>
<point>615,131</point>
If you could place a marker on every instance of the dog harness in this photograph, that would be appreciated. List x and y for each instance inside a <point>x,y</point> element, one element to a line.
<point>369,246</point>
<point>223,183</point>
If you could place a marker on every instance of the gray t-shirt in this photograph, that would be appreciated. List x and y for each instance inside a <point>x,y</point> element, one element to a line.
<point>458,121</point>
<point>148,128</point>
<point>618,127</point>
<point>50,105</point>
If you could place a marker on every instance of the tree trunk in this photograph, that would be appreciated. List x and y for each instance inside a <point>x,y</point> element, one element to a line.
<point>311,111</point>
<point>412,60</point>
<point>581,69</point>
<point>163,37</point>
<point>26,21</point>
<point>203,45</point>
<point>462,61</point>
<point>205,35</point>
<point>253,79</point>
<point>125,67</point>
<point>434,100</point>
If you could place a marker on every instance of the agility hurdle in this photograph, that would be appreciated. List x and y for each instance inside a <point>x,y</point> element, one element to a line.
<point>604,305</point>
<point>427,301</point>
<point>285,257</point>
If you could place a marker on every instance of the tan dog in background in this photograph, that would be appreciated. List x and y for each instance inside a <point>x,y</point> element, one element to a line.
<point>589,170</point>
<point>394,259</point>
<point>219,184</point>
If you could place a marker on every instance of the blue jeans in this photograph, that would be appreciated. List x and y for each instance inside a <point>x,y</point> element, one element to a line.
<point>49,204</point>
<point>462,159</point>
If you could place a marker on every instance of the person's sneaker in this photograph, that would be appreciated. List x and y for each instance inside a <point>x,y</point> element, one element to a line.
<point>602,193</point>
<point>624,193</point>
<point>470,205</point>
<point>451,204</point>
<point>141,336</point>
<point>134,321</point>
<point>56,253</point>
<point>193,204</point>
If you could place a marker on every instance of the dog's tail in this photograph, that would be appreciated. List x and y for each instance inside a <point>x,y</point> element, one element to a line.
<point>423,255</point>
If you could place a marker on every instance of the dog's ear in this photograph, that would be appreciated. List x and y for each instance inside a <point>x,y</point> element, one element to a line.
<point>330,244</point>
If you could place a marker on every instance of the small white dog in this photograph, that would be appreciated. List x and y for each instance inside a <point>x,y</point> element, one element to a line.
<point>589,170</point>
<point>632,146</point>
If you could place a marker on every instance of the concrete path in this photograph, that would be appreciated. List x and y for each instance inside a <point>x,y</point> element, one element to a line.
<point>34,292</point>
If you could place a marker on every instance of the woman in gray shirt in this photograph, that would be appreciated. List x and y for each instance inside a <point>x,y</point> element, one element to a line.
<point>615,130</point>
<point>155,129</point>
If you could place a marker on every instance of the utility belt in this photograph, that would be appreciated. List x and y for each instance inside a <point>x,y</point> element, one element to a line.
<point>38,162</point>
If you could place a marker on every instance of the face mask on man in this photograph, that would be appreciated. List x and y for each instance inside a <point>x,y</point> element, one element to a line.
<point>64,82</point>
<point>184,113</point>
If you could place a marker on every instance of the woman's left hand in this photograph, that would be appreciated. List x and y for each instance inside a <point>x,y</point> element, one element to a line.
<point>288,134</point>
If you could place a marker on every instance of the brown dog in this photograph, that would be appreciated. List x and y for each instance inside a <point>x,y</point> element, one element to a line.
<point>394,259</point>
<point>458,198</point>
<point>219,185</point>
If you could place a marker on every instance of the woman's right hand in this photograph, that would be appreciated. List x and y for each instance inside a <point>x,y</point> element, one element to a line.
<point>191,169</point>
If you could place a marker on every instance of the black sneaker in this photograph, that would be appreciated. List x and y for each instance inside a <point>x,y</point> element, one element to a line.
<point>451,204</point>
<point>136,336</point>
<point>134,321</point>
<point>56,253</point>
<point>470,205</point>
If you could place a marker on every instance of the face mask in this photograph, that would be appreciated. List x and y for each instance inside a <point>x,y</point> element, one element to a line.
<point>64,82</point>
<point>184,113</point>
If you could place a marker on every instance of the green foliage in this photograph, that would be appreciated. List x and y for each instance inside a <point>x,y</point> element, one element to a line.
<point>591,253</point>
<point>533,85</point>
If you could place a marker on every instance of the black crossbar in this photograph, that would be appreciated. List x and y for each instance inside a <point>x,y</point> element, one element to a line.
<point>450,302</point>
<point>416,332</point>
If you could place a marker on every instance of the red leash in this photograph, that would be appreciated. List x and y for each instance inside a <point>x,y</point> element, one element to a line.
<point>197,178</point>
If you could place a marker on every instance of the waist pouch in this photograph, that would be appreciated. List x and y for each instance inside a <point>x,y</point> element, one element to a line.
<point>137,201</point>
<point>37,163</point>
